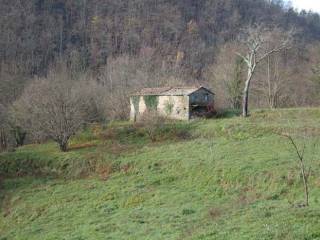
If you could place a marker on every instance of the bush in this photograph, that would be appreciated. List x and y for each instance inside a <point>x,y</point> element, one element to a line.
<point>188,211</point>
<point>228,113</point>
<point>150,128</point>
<point>45,160</point>
<point>159,128</point>
<point>151,122</point>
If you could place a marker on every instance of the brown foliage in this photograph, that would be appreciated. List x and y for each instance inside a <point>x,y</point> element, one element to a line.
<point>126,168</point>
<point>104,171</point>
<point>81,146</point>
<point>215,212</point>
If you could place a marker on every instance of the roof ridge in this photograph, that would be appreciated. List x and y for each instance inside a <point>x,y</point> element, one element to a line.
<point>170,90</point>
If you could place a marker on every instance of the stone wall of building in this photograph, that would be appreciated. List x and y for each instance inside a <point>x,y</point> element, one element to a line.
<point>135,113</point>
<point>174,107</point>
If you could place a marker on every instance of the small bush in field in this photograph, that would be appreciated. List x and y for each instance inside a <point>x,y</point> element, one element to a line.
<point>126,168</point>
<point>215,212</point>
<point>82,146</point>
<point>227,113</point>
<point>152,122</point>
<point>159,128</point>
<point>104,171</point>
<point>188,211</point>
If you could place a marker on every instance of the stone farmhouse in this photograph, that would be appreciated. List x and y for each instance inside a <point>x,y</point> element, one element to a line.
<point>180,103</point>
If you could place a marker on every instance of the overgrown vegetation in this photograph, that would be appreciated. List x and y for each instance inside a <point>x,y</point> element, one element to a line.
<point>168,108</point>
<point>151,102</point>
<point>234,86</point>
<point>171,44</point>
<point>231,178</point>
<point>135,102</point>
<point>91,149</point>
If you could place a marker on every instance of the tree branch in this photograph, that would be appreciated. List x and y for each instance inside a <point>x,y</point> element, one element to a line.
<point>244,58</point>
<point>276,50</point>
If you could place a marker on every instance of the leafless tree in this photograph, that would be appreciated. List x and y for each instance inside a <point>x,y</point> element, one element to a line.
<point>227,76</point>
<point>123,75</point>
<point>275,77</point>
<point>51,108</point>
<point>314,59</point>
<point>259,43</point>
<point>3,127</point>
<point>304,173</point>
<point>275,83</point>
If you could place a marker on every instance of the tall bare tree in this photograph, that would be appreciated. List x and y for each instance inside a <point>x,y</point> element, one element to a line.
<point>276,78</point>
<point>316,76</point>
<point>260,43</point>
<point>227,76</point>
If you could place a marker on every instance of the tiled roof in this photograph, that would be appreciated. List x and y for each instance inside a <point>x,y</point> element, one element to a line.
<point>168,91</point>
<point>152,91</point>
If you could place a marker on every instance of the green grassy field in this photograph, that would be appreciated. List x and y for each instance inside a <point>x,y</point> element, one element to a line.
<point>228,178</point>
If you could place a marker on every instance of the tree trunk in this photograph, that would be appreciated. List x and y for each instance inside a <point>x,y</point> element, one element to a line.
<point>305,183</point>
<point>63,146</point>
<point>245,101</point>
<point>305,176</point>
<point>19,136</point>
<point>270,95</point>
<point>274,101</point>
<point>3,140</point>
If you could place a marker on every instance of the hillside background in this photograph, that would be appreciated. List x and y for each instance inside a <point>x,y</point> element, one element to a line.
<point>124,45</point>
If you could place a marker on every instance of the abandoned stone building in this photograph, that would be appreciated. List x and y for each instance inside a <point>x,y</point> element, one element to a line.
<point>181,103</point>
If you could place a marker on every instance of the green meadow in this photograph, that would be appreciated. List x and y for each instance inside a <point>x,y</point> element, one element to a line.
<point>226,178</point>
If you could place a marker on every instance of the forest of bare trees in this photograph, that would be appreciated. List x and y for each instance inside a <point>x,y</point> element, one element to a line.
<point>99,51</point>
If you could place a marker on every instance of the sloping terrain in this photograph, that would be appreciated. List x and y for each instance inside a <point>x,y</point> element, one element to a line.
<point>227,178</point>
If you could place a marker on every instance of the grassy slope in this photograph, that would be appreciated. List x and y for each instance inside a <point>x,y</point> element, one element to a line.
<point>233,180</point>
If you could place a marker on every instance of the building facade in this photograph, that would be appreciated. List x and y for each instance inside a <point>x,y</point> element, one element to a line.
<point>180,103</point>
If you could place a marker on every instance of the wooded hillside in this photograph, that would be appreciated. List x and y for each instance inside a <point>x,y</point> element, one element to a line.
<point>100,51</point>
<point>88,35</point>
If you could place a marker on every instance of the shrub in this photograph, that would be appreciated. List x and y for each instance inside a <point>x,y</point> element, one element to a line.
<point>228,113</point>
<point>104,171</point>
<point>151,122</point>
<point>51,108</point>
<point>188,211</point>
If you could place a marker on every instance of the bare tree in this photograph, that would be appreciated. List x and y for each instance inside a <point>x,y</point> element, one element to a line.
<point>260,44</point>
<point>3,127</point>
<point>274,80</point>
<point>227,76</point>
<point>304,173</point>
<point>123,75</point>
<point>52,108</point>
<point>315,78</point>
